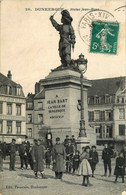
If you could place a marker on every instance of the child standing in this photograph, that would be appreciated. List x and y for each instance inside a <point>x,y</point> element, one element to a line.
<point>120,167</point>
<point>76,160</point>
<point>84,167</point>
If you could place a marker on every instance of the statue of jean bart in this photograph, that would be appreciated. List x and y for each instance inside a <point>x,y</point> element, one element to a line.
<point>67,37</point>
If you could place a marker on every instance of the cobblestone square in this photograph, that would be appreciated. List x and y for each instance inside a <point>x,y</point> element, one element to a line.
<point>21,182</point>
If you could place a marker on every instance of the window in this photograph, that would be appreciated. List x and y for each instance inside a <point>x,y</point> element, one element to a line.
<point>91,116</point>
<point>40,105</point>
<point>102,115</point>
<point>18,91</point>
<point>98,132</point>
<point>29,118</point>
<point>97,100</point>
<point>9,90</point>
<point>1,126</point>
<point>40,118</point>
<point>97,115</point>
<point>9,108</point>
<point>109,131</point>
<point>109,115</point>
<point>18,127</point>
<point>108,99</point>
<point>29,132</point>
<point>121,113</point>
<point>122,130</point>
<point>1,107</point>
<point>9,127</point>
<point>18,109</point>
<point>29,105</point>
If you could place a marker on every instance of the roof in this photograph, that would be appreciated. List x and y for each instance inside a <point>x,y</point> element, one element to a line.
<point>40,95</point>
<point>30,97</point>
<point>105,86</point>
<point>6,81</point>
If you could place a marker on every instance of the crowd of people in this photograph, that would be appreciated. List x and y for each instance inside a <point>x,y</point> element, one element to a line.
<point>64,157</point>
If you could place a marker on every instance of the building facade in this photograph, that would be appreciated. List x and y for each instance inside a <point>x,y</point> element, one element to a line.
<point>12,109</point>
<point>107,110</point>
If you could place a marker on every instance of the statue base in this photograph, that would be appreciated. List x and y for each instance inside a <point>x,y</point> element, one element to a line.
<point>82,142</point>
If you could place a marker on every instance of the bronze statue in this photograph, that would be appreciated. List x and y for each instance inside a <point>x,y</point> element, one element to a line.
<point>67,37</point>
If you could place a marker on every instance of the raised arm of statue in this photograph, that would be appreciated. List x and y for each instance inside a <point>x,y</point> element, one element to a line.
<point>55,24</point>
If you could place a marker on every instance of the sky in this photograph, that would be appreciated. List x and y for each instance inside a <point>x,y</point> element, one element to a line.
<point>29,43</point>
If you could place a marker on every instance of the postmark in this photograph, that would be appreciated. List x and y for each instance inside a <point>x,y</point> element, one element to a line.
<point>85,23</point>
<point>104,37</point>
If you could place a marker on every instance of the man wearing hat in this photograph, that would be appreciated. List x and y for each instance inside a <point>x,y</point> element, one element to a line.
<point>58,157</point>
<point>66,140</point>
<point>67,37</point>
<point>93,156</point>
<point>12,152</point>
<point>69,155</point>
<point>38,159</point>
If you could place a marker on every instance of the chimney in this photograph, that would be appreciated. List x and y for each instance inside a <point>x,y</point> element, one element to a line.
<point>9,75</point>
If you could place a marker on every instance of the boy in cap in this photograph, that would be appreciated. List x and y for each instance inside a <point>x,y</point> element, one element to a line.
<point>69,155</point>
<point>58,157</point>
<point>93,156</point>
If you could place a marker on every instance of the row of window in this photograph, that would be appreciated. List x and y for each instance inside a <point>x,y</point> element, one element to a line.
<point>39,106</point>
<point>100,100</point>
<point>10,90</point>
<point>9,127</point>
<point>30,118</point>
<point>101,132</point>
<point>98,115</point>
<point>107,115</point>
<point>9,108</point>
<point>104,100</point>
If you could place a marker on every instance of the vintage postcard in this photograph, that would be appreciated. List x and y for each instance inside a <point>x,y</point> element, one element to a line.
<point>62,97</point>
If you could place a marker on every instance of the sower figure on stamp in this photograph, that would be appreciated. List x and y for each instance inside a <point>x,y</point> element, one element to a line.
<point>67,37</point>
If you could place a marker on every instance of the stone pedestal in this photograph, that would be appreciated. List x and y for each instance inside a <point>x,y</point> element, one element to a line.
<point>62,92</point>
<point>82,142</point>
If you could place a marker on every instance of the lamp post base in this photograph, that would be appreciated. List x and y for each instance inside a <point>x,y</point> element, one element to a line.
<point>82,142</point>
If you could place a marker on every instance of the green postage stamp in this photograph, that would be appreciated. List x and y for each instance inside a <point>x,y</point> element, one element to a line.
<point>104,37</point>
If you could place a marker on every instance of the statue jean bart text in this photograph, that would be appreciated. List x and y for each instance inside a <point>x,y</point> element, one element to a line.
<point>67,37</point>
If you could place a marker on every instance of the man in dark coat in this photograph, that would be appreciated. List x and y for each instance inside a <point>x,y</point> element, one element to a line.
<point>27,143</point>
<point>93,156</point>
<point>120,167</point>
<point>58,157</point>
<point>1,156</point>
<point>12,151</point>
<point>23,153</point>
<point>107,153</point>
<point>69,155</point>
<point>4,150</point>
<point>38,159</point>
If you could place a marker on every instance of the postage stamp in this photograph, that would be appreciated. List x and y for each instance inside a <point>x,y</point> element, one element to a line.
<point>85,23</point>
<point>104,37</point>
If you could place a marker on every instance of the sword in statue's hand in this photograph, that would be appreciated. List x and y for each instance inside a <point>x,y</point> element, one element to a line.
<point>57,10</point>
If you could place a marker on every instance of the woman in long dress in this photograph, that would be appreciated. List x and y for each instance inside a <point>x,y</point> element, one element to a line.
<point>84,167</point>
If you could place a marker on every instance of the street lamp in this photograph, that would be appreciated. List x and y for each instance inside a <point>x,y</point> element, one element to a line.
<point>82,67</point>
